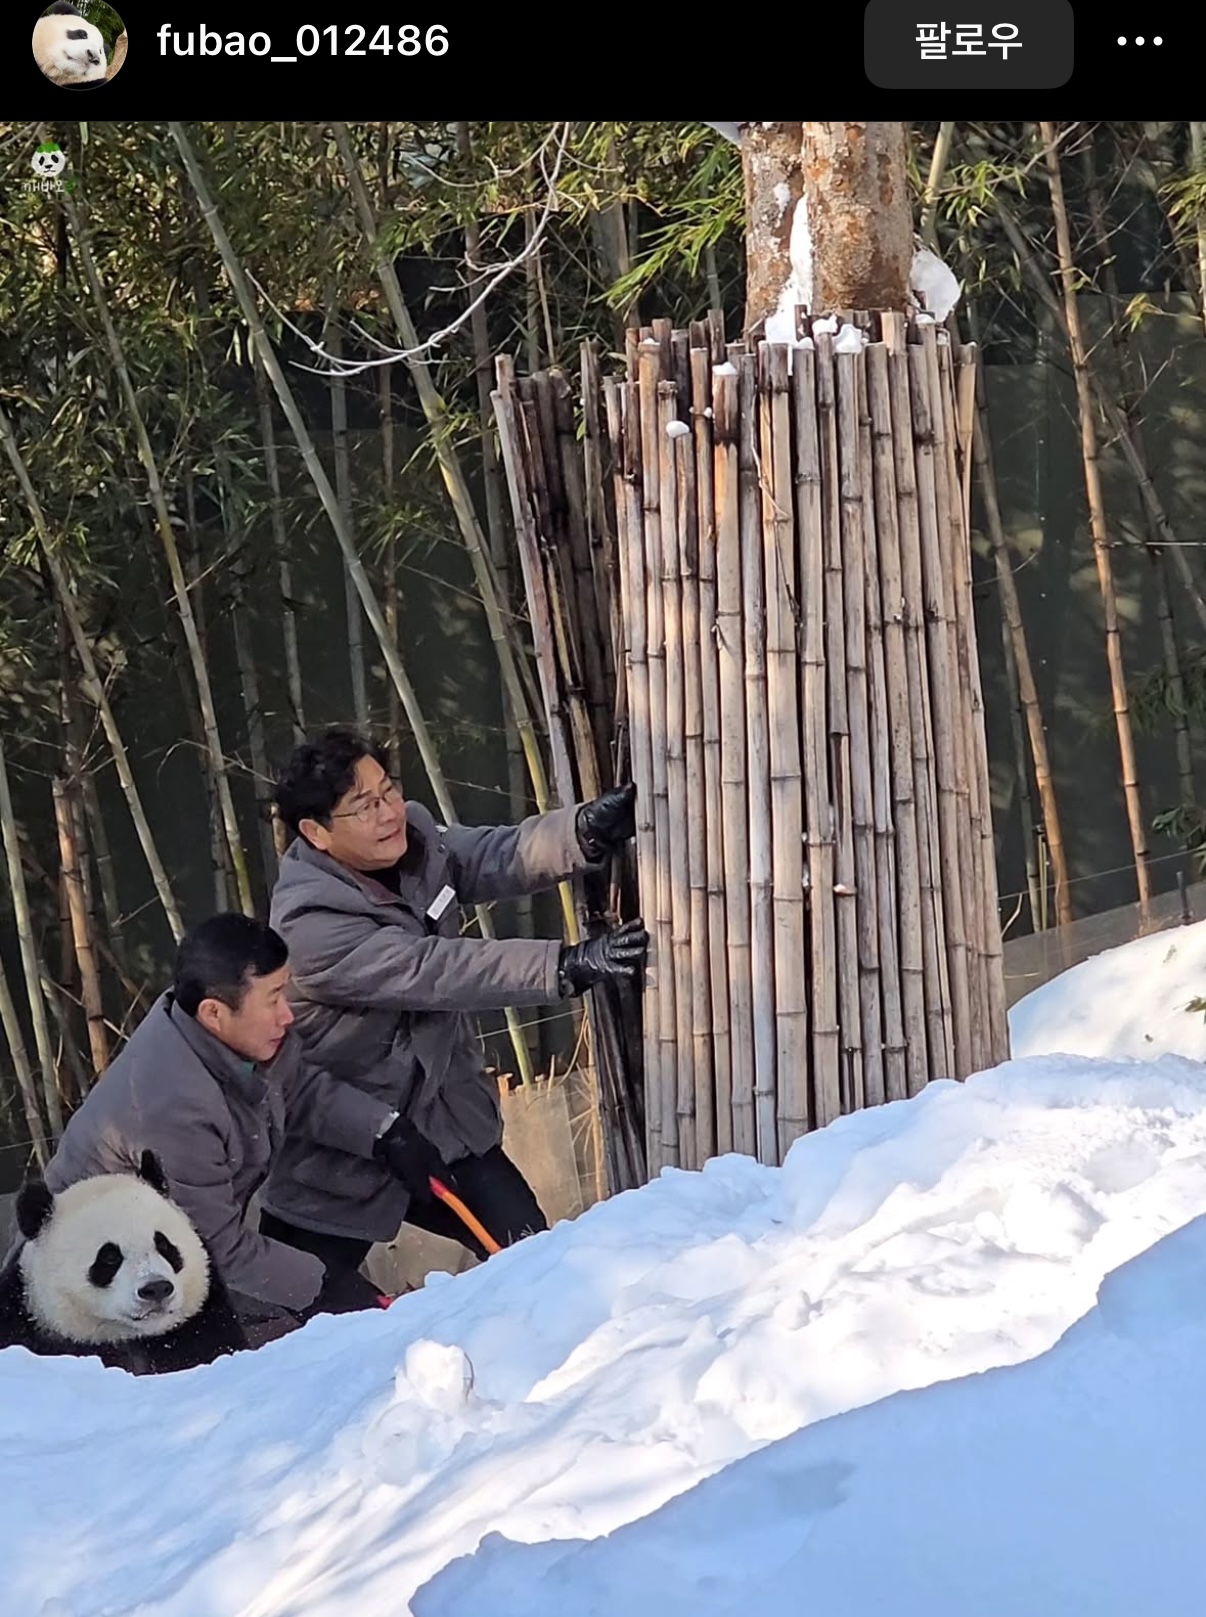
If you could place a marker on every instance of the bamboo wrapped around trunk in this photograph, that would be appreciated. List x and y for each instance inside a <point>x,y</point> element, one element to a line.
<point>805,722</point>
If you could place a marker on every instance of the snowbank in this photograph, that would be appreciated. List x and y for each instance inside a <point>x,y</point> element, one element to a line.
<point>663,1338</point>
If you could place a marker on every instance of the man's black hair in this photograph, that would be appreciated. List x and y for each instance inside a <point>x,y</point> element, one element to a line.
<point>320,772</point>
<point>218,959</point>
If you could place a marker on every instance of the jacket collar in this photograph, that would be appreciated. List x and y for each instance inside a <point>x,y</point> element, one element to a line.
<point>409,868</point>
<point>247,1079</point>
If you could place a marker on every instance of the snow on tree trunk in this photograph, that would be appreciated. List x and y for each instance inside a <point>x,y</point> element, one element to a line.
<point>859,215</point>
<point>774,184</point>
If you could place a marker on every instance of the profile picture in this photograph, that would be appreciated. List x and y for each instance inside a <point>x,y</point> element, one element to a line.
<point>79,44</point>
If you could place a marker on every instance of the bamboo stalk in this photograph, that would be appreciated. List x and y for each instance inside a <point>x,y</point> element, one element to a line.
<point>819,831</point>
<point>322,483</point>
<point>624,428</point>
<point>1098,524</point>
<point>933,921</point>
<point>280,546</point>
<point>171,552</point>
<point>90,988</point>
<point>943,673</point>
<point>25,1078</point>
<point>451,471</point>
<point>29,959</point>
<point>786,781</point>
<point>709,667</point>
<point>698,946</point>
<point>840,740</point>
<point>648,369</point>
<point>93,684</point>
<point>853,557</point>
<point>904,916</point>
<point>762,913</point>
<point>730,657</point>
<point>591,656</point>
<point>887,901</point>
<point>338,389</point>
<point>676,777</point>
<point>1011,614</point>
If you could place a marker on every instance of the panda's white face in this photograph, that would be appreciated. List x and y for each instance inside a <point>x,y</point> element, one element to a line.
<point>114,1261</point>
<point>69,48</point>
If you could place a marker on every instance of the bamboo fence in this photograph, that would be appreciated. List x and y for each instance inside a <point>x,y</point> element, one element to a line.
<point>772,545</point>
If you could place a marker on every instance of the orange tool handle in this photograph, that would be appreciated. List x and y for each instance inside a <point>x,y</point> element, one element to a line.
<point>465,1216</point>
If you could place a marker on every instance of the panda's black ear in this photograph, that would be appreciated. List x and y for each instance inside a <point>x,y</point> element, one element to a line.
<point>151,1169</point>
<point>35,1203</point>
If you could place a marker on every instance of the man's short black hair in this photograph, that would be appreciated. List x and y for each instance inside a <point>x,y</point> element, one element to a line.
<point>320,772</point>
<point>218,958</point>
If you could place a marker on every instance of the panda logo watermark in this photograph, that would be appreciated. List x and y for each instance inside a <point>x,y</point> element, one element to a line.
<point>80,45</point>
<point>49,161</point>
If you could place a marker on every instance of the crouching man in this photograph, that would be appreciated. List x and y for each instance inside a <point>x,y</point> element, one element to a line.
<point>369,902</point>
<point>205,1081</point>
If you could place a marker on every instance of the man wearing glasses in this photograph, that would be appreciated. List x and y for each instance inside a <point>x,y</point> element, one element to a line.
<point>369,902</point>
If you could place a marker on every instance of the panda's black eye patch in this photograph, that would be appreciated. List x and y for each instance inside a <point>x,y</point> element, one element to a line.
<point>166,1249</point>
<point>105,1264</point>
<point>77,33</point>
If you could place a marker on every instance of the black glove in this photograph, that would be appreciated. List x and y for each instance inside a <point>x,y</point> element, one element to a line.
<point>607,823</point>
<point>410,1156</point>
<point>345,1291</point>
<point>619,953</point>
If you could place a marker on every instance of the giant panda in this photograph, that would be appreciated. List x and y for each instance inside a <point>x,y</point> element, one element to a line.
<point>112,1268</point>
<point>68,48</point>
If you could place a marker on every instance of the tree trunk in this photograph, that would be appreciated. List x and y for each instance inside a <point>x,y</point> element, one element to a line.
<point>1097,521</point>
<point>80,933</point>
<point>385,382</point>
<point>859,216</point>
<point>333,342</point>
<point>25,1078</point>
<point>774,184</point>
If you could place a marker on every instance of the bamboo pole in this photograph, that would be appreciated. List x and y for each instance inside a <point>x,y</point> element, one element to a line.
<point>713,787</point>
<point>699,952</point>
<point>762,914</point>
<point>905,916</point>
<point>887,899</point>
<point>93,684</point>
<point>840,739</point>
<point>146,455</point>
<point>624,428</point>
<point>942,672</point>
<point>870,1091</point>
<point>90,986</point>
<point>29,959</point>
<point>933,922</point>
<point>1098,524</point>
<point>786,780</point>
<point>676,775</point>
<point>648,370</point>
<point>819,829</point>
<point>730,654</point>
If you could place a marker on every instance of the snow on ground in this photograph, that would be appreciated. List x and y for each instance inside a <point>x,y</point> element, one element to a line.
<point>1128,1001</point>
<point>859,1380</point>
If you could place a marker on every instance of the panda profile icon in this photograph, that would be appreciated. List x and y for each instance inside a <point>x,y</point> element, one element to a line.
<point>68,48</point>
<point>112,1268</point>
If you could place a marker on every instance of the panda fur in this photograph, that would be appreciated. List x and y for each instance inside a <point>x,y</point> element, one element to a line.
<point>68,48</point>
<point>111,1268</point>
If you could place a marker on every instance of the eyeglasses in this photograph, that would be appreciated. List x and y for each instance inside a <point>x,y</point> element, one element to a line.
<point>365,810</point>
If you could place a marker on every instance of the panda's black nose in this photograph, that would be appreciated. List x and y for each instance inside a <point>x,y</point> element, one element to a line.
<point>156,1291</point>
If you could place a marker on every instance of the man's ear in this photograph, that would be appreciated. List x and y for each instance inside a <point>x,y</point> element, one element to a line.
<point>209,1014</point>
<point>316,834</point>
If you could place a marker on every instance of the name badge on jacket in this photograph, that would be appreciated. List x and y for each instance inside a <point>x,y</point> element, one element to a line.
<point>440,903</point>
